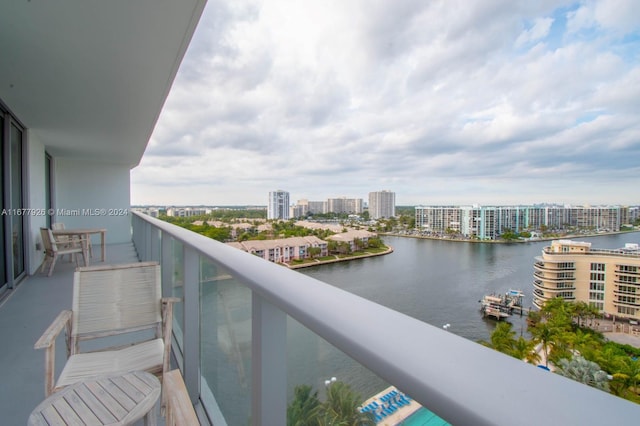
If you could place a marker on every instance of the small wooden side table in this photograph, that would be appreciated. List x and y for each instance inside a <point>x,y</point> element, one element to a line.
<point>109,400</point>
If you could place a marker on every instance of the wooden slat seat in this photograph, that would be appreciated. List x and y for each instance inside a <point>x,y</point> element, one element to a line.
<point>145,356</point>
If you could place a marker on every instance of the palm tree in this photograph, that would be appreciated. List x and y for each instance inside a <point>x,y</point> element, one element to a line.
<point>524,349</point>
<point>587,372</point>
<point>630,368</point>
<point>304,408</point>
<point>341,408</point>
<point>542,333</point>
<point>502,338</point>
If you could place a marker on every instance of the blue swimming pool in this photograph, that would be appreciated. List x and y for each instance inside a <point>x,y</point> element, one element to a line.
<point>424,417</point>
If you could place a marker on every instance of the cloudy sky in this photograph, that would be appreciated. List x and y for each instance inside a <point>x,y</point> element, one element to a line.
<point>441,101</point>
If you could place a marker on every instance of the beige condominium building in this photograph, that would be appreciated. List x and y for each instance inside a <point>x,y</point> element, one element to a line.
<point>604,278</point>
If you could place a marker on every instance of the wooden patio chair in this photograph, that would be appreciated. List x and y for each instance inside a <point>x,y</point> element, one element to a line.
<point>110,301</point>
<point>53,250</point>
<point>68,240</point>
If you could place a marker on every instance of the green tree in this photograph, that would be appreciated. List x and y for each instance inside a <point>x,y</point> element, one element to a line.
<point>314,252</point>
<point>303,410</point>
<point>341,408</point>
<point>502,338</point>
<point>544,335</point>
<point>525,349</point>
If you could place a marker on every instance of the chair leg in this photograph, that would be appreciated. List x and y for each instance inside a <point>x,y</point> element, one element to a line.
<point>53,264</point>
<point>44,263</point>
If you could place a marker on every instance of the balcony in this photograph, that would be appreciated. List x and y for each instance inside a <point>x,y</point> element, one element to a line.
<point>539,284</point>
<point>239,371</point>
<point>247,339</point>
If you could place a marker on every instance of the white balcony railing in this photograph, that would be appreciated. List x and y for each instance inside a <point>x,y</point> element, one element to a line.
<point>461,381</point>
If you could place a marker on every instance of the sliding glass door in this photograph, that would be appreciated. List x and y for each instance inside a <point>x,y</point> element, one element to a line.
<point>12,223</point>
<point>3,269</point>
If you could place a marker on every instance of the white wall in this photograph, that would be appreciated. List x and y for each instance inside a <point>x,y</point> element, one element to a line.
<point>102,188</point>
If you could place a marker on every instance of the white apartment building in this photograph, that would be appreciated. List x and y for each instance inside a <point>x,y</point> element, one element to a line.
<point>488,222</point>
<point>344,205</point>
<point>278,207</point>
<point>382,204</point>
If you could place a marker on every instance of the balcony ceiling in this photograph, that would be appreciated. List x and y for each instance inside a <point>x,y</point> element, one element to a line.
<point>89,77</point>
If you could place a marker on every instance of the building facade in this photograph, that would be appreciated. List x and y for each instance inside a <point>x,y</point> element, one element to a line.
<point>344,205</point>
<point>382,204</point>
<point>278,207</point>
<point>489,222</point>
<point>606,279</point>
<point>283,250</point>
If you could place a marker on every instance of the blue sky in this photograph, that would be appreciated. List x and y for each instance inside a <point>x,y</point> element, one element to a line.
<point>443,102</point>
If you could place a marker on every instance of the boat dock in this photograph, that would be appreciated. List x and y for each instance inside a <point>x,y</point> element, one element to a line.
<point>503,306</point>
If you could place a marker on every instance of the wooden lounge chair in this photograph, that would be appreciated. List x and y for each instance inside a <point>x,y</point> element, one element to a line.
<point>110,301</point>
<point>53,250</point>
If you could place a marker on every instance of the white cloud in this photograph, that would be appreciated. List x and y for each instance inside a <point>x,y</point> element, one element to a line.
<point>440,101</point>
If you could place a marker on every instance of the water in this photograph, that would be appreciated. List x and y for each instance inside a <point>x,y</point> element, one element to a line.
<point>438,282</point>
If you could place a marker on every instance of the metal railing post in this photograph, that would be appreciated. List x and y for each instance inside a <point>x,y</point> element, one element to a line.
<point>191,331</point>
<point>268,363</point>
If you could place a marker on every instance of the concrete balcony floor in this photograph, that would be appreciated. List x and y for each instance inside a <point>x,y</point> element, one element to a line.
<point>24,315</point>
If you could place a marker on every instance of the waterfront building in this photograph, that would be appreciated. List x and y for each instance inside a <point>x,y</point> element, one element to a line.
<point>351,236</point>
<point>278,207</point>
<point>488,222</point>
<point>438,219</point>
<point>606,279</point>
<point>283,250</point>
<point>382,204</point>
<point>344,205</point>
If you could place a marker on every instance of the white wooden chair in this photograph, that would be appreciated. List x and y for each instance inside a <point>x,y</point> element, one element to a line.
<point>112,300</point>
<point>65,240</point>
<point>52,250</point>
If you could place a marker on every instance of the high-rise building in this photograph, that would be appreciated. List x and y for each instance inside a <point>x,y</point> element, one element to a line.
<point>382,204</point>
<point>606,279</point>
<point>344,205</point>
<point>278,205</point>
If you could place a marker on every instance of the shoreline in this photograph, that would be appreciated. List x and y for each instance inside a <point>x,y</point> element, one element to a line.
<point>337,260</point>
<point>529,240</point>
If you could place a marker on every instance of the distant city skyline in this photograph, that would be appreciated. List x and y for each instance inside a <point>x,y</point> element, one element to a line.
<point>510,102</point>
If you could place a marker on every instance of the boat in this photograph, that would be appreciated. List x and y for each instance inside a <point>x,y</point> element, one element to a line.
<point>501,306</point>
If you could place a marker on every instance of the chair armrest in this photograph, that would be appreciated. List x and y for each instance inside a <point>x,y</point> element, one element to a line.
<point>48,342</point>
<point>179,408</point>
<point>50,334</point>
<point>167,329</point>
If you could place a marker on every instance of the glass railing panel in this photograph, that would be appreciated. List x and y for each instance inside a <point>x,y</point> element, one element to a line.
<point>225,352</point>
<point>176,267</point>
<point>313,362</point>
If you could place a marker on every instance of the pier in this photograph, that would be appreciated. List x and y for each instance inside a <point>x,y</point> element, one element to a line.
<point>503,306</point>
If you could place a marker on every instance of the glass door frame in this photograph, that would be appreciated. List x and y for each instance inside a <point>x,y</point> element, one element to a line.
<point>10,278</point>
